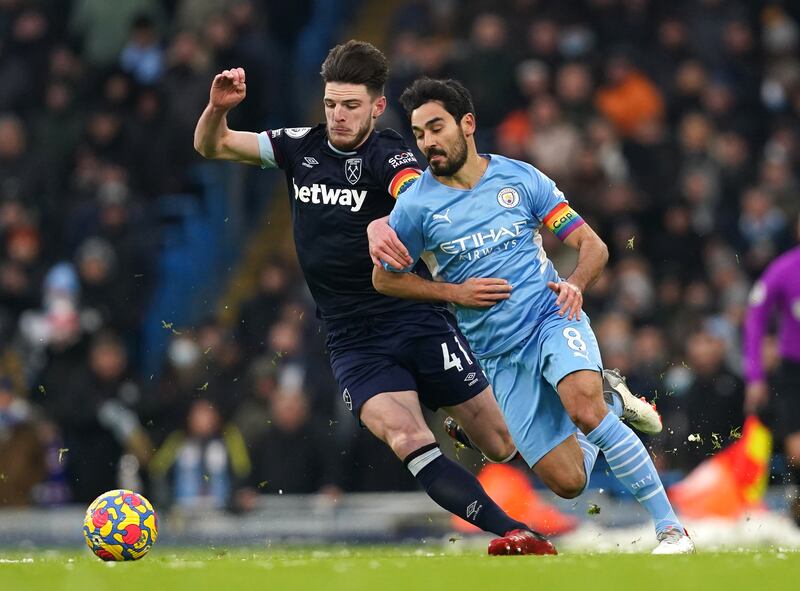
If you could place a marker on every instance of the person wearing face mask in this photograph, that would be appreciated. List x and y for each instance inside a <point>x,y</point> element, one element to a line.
<point>167,403</point>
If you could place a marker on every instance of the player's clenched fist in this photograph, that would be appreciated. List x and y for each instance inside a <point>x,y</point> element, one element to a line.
<point>482,292</point>
<point>228,89</point>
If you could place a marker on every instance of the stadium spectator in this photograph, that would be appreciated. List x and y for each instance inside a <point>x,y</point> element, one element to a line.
<point>260,312</point>
<point>225,368</point>
<point>142,57</point>
<point>104,289</point>
<point>254,414</point>
<point>19,164</point>
<point>488,69</point>
<point>22,270</point>
<point>92,403</point>
<point>553,142</point>
<point>762,230</point>
<point>714,397</point>
<point>102,27</point>
<point>202,464</point>
<point>296,454</point>
<point>182,381</point>
<point>22,461</point>
<point>629,99</point>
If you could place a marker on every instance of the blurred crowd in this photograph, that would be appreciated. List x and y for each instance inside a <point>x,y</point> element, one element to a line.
<point>97,112</point>
<point>671,127</point>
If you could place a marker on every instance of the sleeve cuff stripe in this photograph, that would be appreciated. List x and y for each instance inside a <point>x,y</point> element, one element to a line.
<point>266,151</point>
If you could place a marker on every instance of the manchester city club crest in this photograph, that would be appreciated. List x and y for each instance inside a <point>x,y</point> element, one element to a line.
<point>352,170</point>
<point>508,197</point>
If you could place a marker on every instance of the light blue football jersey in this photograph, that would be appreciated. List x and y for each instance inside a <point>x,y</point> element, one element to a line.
<point>491,230</point>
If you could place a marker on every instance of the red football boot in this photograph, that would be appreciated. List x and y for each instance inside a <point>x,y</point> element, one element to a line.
<point>519,542</point>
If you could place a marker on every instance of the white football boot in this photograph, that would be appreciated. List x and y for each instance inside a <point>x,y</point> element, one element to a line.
<point>674,540</point>
<point>637,412</point>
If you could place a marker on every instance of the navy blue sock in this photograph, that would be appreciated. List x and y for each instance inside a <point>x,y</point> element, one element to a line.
<point>455,489</point>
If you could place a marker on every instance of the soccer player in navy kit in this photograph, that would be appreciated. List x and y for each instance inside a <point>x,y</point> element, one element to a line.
<point>388,354</point>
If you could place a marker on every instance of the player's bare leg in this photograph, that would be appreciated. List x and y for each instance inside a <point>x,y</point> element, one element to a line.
<point>635,410</point>
<point>581,393</point>
<point>485,429</point>
<point>563,469</point>
<point>396,418</point>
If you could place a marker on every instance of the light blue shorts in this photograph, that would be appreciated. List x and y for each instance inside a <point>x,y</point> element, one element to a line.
<point>524,380</point>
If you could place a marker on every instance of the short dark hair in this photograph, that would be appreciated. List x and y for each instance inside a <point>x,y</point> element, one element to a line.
<point>356,62</point>
<point>453,95</point>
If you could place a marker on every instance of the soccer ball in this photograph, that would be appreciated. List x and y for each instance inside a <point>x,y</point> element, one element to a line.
<point>120,525</point>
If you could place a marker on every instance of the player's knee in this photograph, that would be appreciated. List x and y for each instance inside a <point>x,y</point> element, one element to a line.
<point>500,449</point>
<point>586,409</point>
<point>570,485</point>
<point>404,442</point>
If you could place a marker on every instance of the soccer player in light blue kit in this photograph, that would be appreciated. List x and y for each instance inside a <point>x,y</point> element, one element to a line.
<point>472,217</point>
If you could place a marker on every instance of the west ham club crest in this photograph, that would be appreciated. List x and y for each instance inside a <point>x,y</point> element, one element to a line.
<point>352,170</point>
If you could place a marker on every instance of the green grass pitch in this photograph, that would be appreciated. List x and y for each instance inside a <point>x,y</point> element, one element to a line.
<point>394,568</point>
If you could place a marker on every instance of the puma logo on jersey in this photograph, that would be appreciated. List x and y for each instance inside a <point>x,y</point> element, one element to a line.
<point>442,216</point>
<point>320,194</point>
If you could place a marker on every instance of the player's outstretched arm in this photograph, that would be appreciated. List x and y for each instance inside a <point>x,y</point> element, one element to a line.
<point>592,259</point>
<point>473,293</point>
<point>212,137</point>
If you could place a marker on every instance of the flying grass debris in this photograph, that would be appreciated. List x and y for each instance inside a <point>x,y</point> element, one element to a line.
<point>168,326</point>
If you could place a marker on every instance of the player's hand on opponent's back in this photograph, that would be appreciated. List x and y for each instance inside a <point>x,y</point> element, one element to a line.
<point>481,292</point>
<point>570,298</point>
<point>228,89</point>
<point>384,245</point>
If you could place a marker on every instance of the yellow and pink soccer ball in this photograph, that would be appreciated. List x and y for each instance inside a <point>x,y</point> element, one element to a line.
<point>120,525</point>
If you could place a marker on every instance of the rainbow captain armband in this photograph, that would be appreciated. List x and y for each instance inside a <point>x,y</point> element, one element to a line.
<point>563,220</point>
<point>403,180</point>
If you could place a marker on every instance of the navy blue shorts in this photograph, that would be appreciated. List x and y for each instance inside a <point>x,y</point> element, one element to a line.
<point>419,350</point>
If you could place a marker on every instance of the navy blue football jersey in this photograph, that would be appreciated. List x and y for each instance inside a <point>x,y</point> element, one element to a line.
<point>334,196</point>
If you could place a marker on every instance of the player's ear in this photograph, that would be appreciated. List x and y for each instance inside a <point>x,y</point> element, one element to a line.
<point>378,107</point>
<point>468,124</point>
